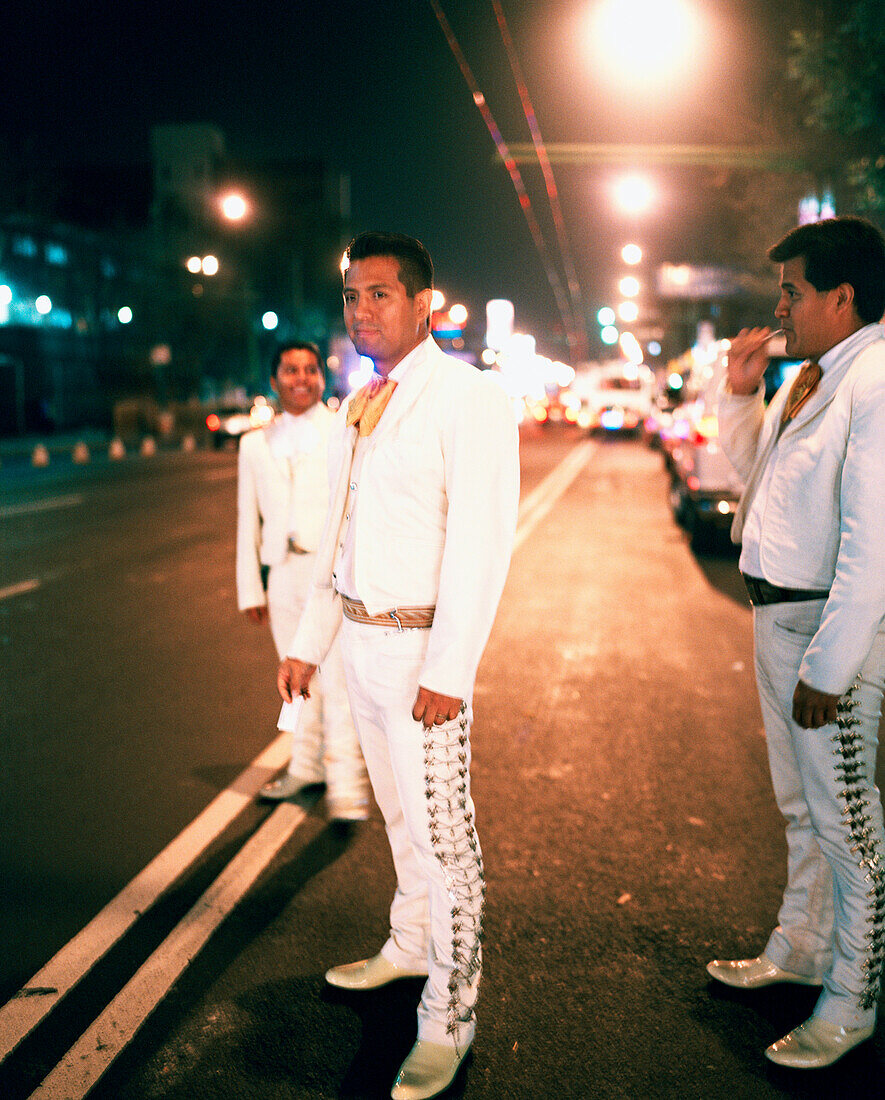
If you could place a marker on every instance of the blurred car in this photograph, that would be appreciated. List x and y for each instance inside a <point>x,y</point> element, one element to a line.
<point>227,425</point>
<point>617,397</point>
<point>705,487</point>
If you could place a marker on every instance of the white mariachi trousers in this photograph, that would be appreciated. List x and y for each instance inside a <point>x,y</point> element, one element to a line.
<point>421,782</point>
<point>325,748</point>
<point>831,924</point>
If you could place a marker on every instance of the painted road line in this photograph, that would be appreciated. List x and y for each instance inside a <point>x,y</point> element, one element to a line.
<point>28,507</point>
<point>98,1046</point>
<point>19,589</point>
<point>36,999</point>
<point>541,499</point>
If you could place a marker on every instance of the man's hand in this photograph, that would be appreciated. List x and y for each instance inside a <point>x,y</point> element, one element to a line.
<point>293,678</point>
<point>433,709</point>
<point>813,709</point>
<point>747,360</point>
<point>255,614</point>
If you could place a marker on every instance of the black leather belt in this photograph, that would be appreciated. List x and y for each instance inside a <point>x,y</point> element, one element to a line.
<point>761,592</point>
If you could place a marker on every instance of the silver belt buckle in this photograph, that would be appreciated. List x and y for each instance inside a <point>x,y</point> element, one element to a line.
<point>395,616</point>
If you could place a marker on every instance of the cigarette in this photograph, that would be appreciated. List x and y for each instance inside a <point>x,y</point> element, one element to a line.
<point>777,332</point>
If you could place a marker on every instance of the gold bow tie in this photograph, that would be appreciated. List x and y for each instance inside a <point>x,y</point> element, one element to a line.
<point>804,385</point>
<point>369,402</point>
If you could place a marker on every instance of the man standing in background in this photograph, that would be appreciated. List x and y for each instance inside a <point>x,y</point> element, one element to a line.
<point>283,496</point>
<point>812,526</point>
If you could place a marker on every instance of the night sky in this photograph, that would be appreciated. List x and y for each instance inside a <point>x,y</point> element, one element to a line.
<point>373,89</point>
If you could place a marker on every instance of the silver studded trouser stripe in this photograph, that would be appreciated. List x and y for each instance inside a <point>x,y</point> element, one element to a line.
<point>831,920</point>
<point>421,782</point>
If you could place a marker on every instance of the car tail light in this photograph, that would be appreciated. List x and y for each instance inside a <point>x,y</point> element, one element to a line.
<point>694,483</point>
<point>213,422</point>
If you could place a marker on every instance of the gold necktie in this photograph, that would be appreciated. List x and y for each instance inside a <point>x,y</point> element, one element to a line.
<point>804,385</point>
<point>368,403</point>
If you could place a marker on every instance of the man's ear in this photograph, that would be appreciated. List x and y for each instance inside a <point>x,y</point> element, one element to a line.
<point>273,385</point>
<point>844,296</point>
<point>423,299</point>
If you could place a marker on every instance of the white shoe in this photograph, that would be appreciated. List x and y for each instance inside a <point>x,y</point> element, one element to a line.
<point>429,1069</point>
<point>754,973</point>
<point>369,974</point>
<point>816,1044</point>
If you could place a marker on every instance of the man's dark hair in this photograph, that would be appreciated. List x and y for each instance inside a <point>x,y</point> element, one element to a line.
<point>415,265</point>
<point>840,250</point>
<point>295,345</point>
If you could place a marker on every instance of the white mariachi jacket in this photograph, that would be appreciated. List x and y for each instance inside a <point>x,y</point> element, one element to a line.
<point>272,490</point>
<point>439,493</point>
<point>823,524</point>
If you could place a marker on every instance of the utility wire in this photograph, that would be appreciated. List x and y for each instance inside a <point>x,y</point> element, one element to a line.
<point>525,202</point>
<point>577,335</point>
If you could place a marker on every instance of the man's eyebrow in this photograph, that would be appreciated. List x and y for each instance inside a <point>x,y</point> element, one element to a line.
<point>787,285</point>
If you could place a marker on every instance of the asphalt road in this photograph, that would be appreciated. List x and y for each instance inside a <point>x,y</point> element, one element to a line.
<point>623,802</point>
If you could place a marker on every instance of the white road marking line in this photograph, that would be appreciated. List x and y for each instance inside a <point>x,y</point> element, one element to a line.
<point>19,589</point>
<point>40,505</point>
<point>100,1044</point>
<point>542,498</point>
<point>36,999</point>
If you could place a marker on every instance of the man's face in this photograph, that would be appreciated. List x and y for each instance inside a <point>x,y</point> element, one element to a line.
<point>808,317</point>
<point>383,322</point>
<point>298,381</point>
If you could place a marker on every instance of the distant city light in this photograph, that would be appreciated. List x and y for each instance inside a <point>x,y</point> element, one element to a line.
<point>606,316</point>
<point>270,320</point>
<point>500,316</point>
<point>43,304</point>
<point>209,265</point>
<point>5,295</point>
<point>437,300</point>
<point>458,314</point>
<point>234,206</point>
<point>629,286</point>
<point>654,348</point>
<point>609,335</point>
<point>633,193</point>
<point>675,381</point>
<point>631,254</point>
<point>124,315</point>
<point>194,265</point>
<point>628,312</point>
<point>489,356</point>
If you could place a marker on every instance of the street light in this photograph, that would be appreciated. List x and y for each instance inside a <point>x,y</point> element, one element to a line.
<point>629,286</point>
<point>643,44</point>
<point>234,206</point>
<point>633,193</point>
<point>631,254</point>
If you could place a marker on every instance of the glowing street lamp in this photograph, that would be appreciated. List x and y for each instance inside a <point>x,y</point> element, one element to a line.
<point>629,286</point>
<point>458,314</point>
<point>209,264</point>
<point>628,312</point>
<point>234,206</point>
<point>631,254</point>
<point>643,44</point>
<point>633,193</point>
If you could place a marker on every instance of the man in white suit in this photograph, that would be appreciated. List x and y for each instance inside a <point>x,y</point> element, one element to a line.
<point>812,526</point>
<point>283,498</point>
<point>424,465</point>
